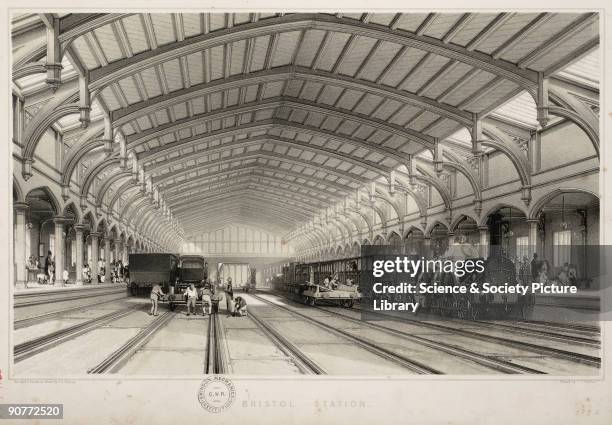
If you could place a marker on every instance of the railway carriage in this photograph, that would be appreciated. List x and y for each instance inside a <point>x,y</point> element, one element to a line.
<point>498,269</point>
<point>171,272</point>
<point>147,270</point>
<point>306,282</point>
<point>193,269</point>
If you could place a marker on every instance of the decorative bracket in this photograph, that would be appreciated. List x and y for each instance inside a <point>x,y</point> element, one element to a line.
<point>542,107</point>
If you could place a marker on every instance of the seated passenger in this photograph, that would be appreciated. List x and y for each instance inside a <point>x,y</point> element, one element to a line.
<point>334,282</point>
<point>86,274</point>
<point>542,276</point>
<point>572,274</point>
<point>41,278</point>
<point>240,307</point>
<point>326,282</point>
<point>191,294</point>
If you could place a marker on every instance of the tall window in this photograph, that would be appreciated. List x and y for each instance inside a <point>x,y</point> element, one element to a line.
<point>561,247</point>
<point>522,247</point>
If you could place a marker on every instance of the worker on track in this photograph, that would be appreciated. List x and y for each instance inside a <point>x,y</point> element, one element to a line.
<point>240,307</point>
<point>156,294</point>
<point>206,299</point>
<point>191,294</point>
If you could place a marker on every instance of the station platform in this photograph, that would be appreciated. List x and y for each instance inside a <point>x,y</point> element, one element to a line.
<point>582,307</point>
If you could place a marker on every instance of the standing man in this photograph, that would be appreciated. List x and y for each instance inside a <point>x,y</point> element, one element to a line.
<point>156,294</point>
<point>206,299</point>
<point>192,295</point>
<point>229,296</point>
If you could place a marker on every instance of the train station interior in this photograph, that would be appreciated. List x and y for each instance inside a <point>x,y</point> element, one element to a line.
<point>259,140</point>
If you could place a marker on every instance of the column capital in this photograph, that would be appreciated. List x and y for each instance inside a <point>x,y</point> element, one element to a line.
<point>533,220</point>
<point>481,228</point>
<point>59,219</point>
<point>79,227</point>
<point>21,206</point>
<point>95,234</point>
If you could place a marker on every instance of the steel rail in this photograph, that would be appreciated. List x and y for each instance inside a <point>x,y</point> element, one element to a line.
<point>22,323</point>
<point>363,343</point>
<point>299,358</point>
<point>29,348</point>
<point>495,364</point>
<point>540,349</point>
<point>216,356</point>
<point>548,334</point>
<point>46,298</point>
<point>116,360</point>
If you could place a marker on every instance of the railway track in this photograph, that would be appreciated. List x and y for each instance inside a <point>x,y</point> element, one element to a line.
<point>114,362</point>
<point>216,351</point>
<point>37,345</point>
<point>499,365</point>
<point>22,323</point>
<point>306,365</point>
<point>575,327</point>
<point>399,359</point>
<point>591,342</point>
<point>554,331</point>
<point>536,348</point>
<point>47,297</point>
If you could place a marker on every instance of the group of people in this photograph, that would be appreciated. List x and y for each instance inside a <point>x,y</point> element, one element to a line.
<point>540,271</point>
<point>331,282</point>
<point>211,295</point>
<point>118,272</point>
<point>48,274</point>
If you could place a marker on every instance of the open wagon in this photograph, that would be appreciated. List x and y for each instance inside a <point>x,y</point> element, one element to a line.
<point>312,294</point>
